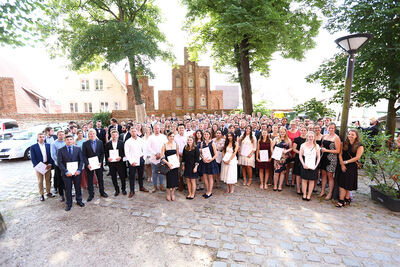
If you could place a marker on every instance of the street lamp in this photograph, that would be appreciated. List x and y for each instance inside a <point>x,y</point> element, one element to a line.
<point>350,44</point>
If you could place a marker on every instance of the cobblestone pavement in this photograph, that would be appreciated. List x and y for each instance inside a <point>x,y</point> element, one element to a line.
<point>251,227</point>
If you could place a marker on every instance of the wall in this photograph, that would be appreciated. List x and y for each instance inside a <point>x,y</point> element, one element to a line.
<point>8,102</point>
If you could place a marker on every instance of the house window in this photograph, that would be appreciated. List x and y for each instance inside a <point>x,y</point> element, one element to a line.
<point>190,68</point>
<point>103,106</point>
<point>179,102</point>
<point>85,85</point>
<point>191,101</point>
<point>73,107</point>
<point>88,107</point>
<point>99,85</point>
<point>116,106</point>
<point>191,83</point>
<point>178,81</point>
<point>203,101</point>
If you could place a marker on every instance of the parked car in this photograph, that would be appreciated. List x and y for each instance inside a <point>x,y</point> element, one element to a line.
<point>8,125</point>
<point>19,145</point>
<point>8,136</point>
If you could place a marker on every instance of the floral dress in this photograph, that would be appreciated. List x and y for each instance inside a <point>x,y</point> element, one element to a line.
<point>280,165</point>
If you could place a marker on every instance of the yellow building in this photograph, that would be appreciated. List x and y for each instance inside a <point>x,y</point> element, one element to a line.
<point>92,92</point>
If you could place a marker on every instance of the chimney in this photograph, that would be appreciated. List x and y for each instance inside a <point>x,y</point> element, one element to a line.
<point>126,77</point>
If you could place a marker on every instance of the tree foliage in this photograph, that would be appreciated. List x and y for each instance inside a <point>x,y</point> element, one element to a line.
<point>377,66</point>
<point>243,35</point>
<point>314,109</point>
<point>18,21</point>
<point>98,33</point>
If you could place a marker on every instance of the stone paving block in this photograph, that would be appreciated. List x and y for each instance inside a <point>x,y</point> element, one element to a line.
<point>229,246</point>
<point>199,242</point>
<point>162,223</point>
<point>197,227</point>
<point>223,230</point>
<point>331,242</point>
<point>239,257</point>
<point>210,237</point>
<point>239,239</point>
<point>315,240</point>
<point>216,222</point>
<point>226,238</point>
<point>253,220</point>
<point>350,262</point>
<point>257,260</point>
<point>237,265</point>
<point>360,254</point>
<point>380,257</point>
<point>146,214</point>
<point>230,224</point>
<point>243,225</point>
<point>209,229</point>
<point>273,263</point>
<point>321,234</point>
<point>331,259</point>
<point>170,231</point>
<point>369,263</point>
<point>185,241</point>
<point>159,229</point>
<point>219,264</point>
<point>195,235</point>
<point>151,221</point>
<point>251,233</point>
<point>243,248</point>
<point>260,251</point>
<point>342,251</point>
<point>213,244</point>
<point>296,238</point>
<point>182,232</point>
<point>136,213</point>
<point>286,246</point>
<point>254,241</point>
<point>323,250</point>
<point>237,231</point>
<point>184,226</point>
<point>240,219</point>
<point>266,235</point>
<point>223,254</point>
<point>313,257</point>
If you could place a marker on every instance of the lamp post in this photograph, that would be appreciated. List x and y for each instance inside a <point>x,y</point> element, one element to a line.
<point>350,44</point>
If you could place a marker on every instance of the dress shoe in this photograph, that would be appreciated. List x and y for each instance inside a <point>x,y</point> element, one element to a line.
<point>68,208</point>
<point>90,198</point>
<point>81,204</point>
<point>154,189</point>
<point>116,193</point>
<point>124,192</point>
<point>162,188</point>
<point>62,198</point>
<point>49,195</point>
<point>104,194</point>
<point>42,198</point>
<point>131,194</point>
<point>144,190</point>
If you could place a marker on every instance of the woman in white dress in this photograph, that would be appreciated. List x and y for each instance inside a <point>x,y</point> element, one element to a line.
<point>247,150</point>
<point>219,142</point>
<point>229,162</point>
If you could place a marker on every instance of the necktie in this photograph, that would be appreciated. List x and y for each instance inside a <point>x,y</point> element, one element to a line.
<point>93,146</point>
<point>70,150</point>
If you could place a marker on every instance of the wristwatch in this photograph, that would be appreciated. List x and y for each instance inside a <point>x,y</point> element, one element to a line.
<point>345,163</point>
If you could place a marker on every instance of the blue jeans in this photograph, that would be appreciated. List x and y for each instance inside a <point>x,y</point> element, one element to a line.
<point>155,175</point>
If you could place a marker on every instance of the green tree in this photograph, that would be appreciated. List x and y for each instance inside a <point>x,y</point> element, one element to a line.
<point>18,21</point>
<point>98,33</point>
<point>244,34</point>
<point>377,66</point>
<point>314,109</point>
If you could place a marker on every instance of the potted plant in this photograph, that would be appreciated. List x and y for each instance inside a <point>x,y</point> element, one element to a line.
<point>381,163</point>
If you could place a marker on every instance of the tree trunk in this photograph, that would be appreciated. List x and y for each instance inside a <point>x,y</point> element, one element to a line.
<point>2,225</point>
<point>247,95</point>
<point>140,106</point>
<point>391,117</point>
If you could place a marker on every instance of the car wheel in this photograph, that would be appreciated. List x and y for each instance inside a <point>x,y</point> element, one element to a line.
<point>27,154</point>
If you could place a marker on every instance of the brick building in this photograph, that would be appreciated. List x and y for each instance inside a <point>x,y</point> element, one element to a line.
<point>190,89</point>
<point>147,93</point>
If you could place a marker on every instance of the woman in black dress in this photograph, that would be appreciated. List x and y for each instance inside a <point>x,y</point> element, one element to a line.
<point>347,177</point>
<point>190,161</point>
<point>198,139</point>
<point>297,142</point>
<point>209,165</point>
<point>169,149</point>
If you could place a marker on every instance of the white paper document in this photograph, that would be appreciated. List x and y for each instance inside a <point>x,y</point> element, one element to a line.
<point>310,161</point>
<point>245,150</point>
<point>135,160</point>
<point>173,159</point>
<point>41,168</point>
<point>124,159</point>
<point>114,154</point>
<point>264,155</point>
<point>227,156</point>
<point>206,153</point>
<point>94,163</point>
<point>219,157</point>
<point>72,167</point>
<point>277,154</point>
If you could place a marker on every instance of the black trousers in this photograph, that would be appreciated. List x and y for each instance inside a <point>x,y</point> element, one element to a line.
<point>58,179</point>
<point>119,168</point>
<point>99,175</point>
<point>76,180</point>
<point>132,173</point>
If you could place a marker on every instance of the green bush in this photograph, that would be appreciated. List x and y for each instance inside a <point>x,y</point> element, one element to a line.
<point>382,164</point>
<point>103,116</point>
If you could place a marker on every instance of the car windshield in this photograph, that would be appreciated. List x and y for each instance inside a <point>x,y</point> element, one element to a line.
<point>23,136</point>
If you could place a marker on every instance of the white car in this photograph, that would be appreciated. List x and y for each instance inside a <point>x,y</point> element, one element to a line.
<point>19,145</point>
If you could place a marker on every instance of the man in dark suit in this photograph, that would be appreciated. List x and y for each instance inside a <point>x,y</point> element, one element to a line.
<point>94,148</point>
<point>242,127</point>
<point>116,165</point>
<point>114,125</point>
<point>100,132</point>
<point>68,154</point>
<point>40,152</point>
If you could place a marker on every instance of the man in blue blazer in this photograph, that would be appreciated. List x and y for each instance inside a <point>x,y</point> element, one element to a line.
<point>40,152</point>
<point>70,153</point>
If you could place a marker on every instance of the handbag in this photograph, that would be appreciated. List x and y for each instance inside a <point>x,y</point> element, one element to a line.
<point>358,163</point>
<point>162,168</point>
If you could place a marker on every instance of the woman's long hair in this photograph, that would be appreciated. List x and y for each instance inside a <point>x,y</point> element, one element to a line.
<point>193,146</point>
<point>195,136</point>
<point>356,143</point>
<point>245,134</point>
<point>227,141</point>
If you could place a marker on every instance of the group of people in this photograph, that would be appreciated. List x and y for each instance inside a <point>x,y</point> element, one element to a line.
<point>198,152</point>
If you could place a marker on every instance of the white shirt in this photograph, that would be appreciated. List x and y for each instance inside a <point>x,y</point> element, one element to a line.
<point>181,141</point>
<point>114,144</point>
<point>43,150</point>
<point>134,149</point>
<point>155,144</point>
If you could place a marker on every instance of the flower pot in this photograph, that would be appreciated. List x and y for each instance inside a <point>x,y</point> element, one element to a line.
<point>387,201</point>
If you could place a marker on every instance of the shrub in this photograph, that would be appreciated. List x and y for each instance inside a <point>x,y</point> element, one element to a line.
<point>104,117</point>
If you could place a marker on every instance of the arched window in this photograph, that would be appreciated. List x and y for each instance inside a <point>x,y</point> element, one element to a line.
<point>178,102</point>
<point>178,81</point>
<point>191,83</point>
<point>191,101</point>
<point>203,80</point>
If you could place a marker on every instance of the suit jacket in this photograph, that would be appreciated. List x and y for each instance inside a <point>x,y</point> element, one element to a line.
<point>238,132</point>
<point>88,151</point>
<point>63,157</point>
<point>117,127</point>
<point>101,134</point>
<point>36,154</point>
<point>120,147</point>
<point>121,137</point>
